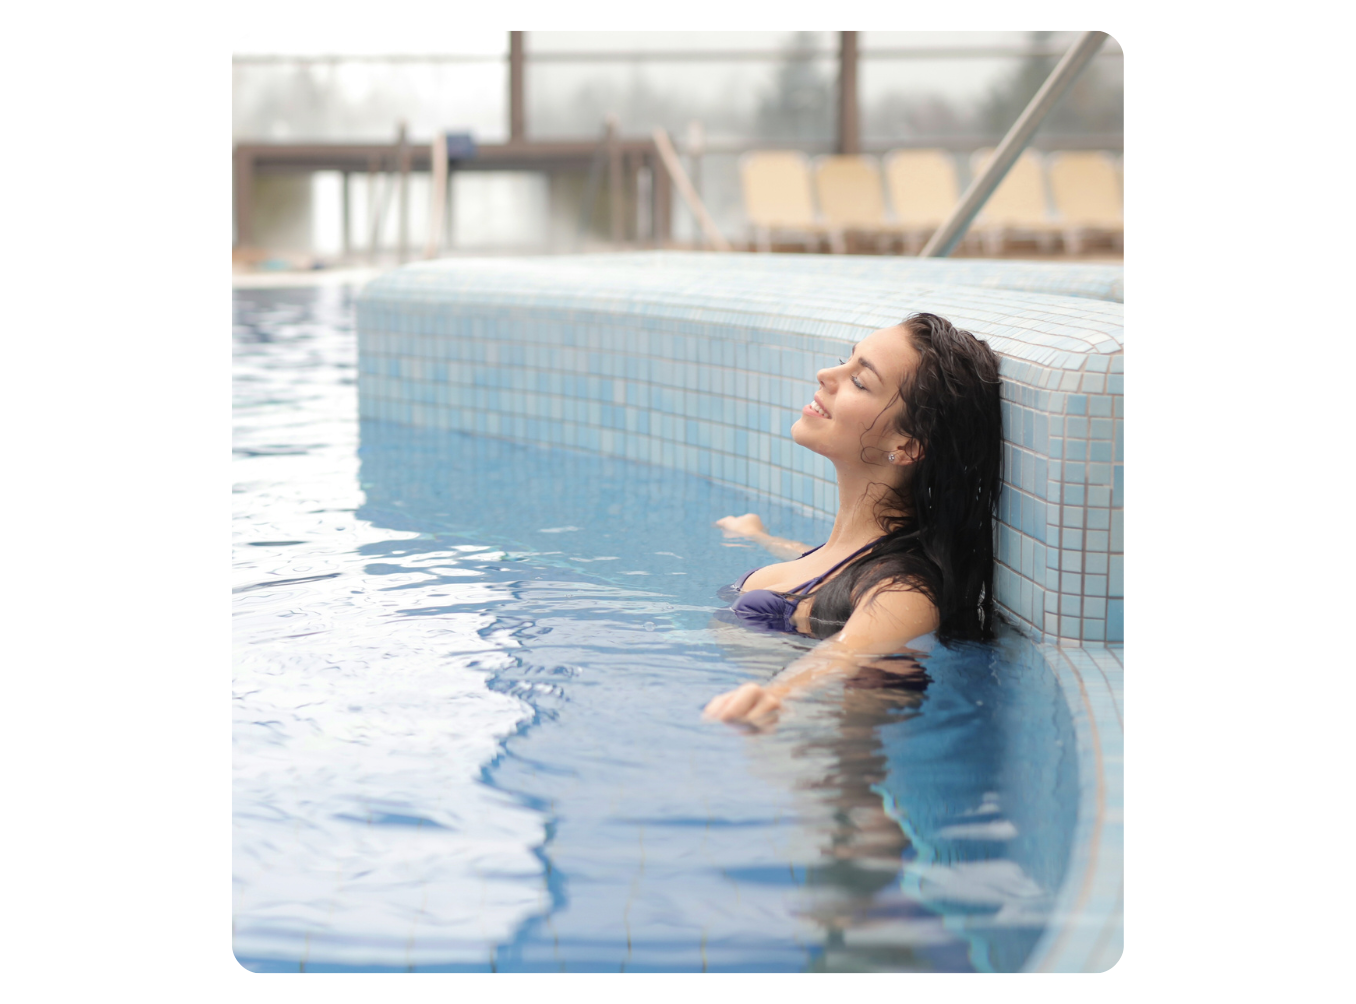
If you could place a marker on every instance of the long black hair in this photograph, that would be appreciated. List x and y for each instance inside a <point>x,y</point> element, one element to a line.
<point>938,517</point>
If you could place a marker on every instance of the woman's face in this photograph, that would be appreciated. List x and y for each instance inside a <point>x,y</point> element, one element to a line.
<point>849,420</point>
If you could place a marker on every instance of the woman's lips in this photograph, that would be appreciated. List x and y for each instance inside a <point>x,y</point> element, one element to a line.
<point>814,408</point>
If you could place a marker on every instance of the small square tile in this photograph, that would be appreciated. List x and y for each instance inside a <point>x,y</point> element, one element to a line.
<point>1116,576</point>
<point>1115,620</point>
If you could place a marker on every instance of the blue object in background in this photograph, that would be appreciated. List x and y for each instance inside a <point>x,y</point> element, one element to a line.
<point>460,146</point>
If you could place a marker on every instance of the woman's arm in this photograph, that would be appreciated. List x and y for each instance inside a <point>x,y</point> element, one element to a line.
<point>882,624</point>
<point>749,525</point>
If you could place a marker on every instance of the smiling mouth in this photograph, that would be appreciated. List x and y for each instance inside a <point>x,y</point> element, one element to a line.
<point>818,409</point>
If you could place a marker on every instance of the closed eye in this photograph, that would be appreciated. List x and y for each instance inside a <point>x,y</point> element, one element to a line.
<point>856,383</point>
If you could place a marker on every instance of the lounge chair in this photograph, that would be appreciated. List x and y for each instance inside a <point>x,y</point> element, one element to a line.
<point>851,199</point>
<point>777,198</point>
<point>1087,196</point>
<point>923,190</point>
<point>1017,208</point>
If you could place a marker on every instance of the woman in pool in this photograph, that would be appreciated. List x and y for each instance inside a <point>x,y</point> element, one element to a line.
<point>913,427</point>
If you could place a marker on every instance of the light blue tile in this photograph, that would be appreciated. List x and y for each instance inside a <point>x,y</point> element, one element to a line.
<point>1040,432</point>
<point>1116,578</point>
<point>1115,620</point>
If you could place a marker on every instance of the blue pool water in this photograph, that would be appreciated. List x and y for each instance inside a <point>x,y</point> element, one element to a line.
<point>467,692</point>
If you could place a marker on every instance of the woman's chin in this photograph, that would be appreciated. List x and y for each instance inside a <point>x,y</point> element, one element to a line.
<point>802,435</point>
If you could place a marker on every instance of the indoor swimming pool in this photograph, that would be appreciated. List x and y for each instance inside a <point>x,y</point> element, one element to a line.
<point>467,737</point>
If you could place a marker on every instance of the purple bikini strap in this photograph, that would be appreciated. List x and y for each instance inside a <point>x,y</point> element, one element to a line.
<point>820,578</point>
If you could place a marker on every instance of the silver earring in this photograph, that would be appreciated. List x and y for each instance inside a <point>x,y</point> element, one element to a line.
<point>891,458</point>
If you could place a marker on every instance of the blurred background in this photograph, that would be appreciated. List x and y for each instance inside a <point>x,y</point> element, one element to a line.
<point>549,144</point>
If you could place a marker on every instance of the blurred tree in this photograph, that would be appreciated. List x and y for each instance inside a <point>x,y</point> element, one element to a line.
<point>1095,103</point>
<point>898,115</point>
<point>800,105</point>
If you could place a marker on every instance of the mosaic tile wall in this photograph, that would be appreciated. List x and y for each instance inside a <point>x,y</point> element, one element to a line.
<point>703,362</point>
<point>1096,280</point>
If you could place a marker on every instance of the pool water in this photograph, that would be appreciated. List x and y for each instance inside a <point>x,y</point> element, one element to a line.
<point>467,694</point>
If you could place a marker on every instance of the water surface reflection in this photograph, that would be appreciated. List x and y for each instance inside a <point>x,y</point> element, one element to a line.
<point>469,685</point>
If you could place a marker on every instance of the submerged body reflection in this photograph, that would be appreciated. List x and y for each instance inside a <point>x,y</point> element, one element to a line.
<point>936,790</point>
<point>829,752</point>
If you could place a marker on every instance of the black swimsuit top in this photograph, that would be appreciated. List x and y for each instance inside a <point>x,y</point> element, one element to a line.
<point>766,610</point>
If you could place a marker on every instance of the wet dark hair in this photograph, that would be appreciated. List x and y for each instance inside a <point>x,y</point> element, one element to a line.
<point>939,517</point>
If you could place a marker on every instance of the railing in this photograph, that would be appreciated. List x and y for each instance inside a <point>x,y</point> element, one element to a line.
<point>624,158</point>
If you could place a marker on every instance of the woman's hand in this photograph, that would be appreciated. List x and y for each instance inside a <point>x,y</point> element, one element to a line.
<point>748,525</point>
<point>749,703</point>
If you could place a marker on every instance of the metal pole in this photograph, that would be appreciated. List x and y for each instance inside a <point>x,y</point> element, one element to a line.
<point>437,195</point>
<point>849,131</point>
<point>663,205</point>
<point>696,146</point>
<point>347,216</point>
<point>669,158</point>
<point>591,186</point>
<point>948,235</point>
<point>373,212</point>
<point>450,217</point>
<point>517,116</point>
<point>244,199</point>
<point>403,159</point>
<point>614,180</point>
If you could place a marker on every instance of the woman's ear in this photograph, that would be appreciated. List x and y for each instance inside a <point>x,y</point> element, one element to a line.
<point>909,451</point>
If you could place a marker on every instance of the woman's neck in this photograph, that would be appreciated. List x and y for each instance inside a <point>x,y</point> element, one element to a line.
<point>857,522</point>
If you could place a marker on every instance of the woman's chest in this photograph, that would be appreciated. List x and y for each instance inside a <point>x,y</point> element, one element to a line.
<point>785,577</point>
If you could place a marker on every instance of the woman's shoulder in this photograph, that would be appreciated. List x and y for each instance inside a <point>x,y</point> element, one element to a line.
<point>892,613</point>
